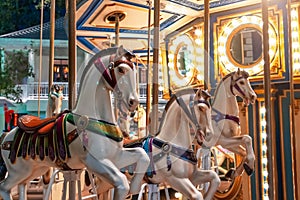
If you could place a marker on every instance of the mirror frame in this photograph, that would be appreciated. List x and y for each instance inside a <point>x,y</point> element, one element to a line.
<point>229,41</point>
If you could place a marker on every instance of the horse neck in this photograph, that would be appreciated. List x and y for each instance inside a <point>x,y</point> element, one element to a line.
<point>94,99</point>
<point>175,125</point>
<point>224,101</point>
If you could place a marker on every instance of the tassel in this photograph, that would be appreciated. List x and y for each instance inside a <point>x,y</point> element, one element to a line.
<point>169,163</point>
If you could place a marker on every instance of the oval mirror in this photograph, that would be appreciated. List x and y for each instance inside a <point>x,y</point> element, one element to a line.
<point>182,59</point>
<point>245,47</point>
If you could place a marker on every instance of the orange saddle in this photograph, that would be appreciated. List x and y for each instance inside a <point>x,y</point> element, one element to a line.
<point>33,124</point>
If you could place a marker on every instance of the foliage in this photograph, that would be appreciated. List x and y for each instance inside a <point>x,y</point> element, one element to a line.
<point>15,69</point>
<point>19,14</point>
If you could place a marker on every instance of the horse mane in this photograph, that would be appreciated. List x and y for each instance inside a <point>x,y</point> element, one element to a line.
<point>170,102</point>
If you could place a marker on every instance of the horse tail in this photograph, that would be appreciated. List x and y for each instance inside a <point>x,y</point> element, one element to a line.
<point>3,169</point>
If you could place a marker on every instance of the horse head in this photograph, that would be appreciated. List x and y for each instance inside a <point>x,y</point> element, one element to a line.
<point>240,86</point>
<point>123,79</point>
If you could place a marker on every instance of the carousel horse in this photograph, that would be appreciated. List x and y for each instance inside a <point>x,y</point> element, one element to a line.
<point>172,159</point>
<point>55,99</point>
<point>225,120</point>
<point>86,137</point>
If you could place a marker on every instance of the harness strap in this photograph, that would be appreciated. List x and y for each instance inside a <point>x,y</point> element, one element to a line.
<point>220,116</point>
<point>235,85</point>
<point>182,153</point>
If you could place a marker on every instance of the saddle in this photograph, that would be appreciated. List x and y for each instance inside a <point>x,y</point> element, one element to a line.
<point>33,124</point>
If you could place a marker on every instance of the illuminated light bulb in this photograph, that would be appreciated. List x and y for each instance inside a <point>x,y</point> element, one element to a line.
<point>264,148</point>
<point>264,161</point>
<point>262,110</point>
<point>297,66</point>
<point>235,22</point>
<point>227,30</point>
<point>198,41</point>
<point>160,88</point>
<point>294,24</point>
<point>171,56</point>
<point>265,173</point>
<point>264,135</point>
<point>266,185</point>
<point>221,50</point>
<point>198,50</point>
<point>198,32</point>
<point>294,34</point>
<point>263,123</point>
<point>294,13</point>
<point>171,65</point>
<point>199,59</point>
<point>178,195</point>
<point>266,197</point>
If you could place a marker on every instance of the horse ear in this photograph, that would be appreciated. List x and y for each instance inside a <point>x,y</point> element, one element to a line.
<point>120,51</point>
<point>238,71</point>
<point>198,93</point>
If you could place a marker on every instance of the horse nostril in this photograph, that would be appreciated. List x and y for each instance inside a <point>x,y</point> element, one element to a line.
<point>133,102</point>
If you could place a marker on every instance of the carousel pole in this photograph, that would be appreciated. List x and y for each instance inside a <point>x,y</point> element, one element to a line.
<point>292,104</point>
<point>72,52</point>
<point>206,45</point>
<point>41,57</point>
<point>52,39</point>
<point>267,89</point>
<point>148,80</point>
<point>154,113</point>
<point>117,41</point>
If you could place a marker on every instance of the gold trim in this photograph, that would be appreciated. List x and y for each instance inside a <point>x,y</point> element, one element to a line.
<point>228,45</point>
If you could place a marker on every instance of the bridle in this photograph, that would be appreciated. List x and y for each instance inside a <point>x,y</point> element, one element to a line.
<point>190,112</point>
<point>233,84</point>
<point>108,72</point>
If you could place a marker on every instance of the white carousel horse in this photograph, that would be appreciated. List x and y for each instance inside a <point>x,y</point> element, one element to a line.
<point>225,120</point>
<point>55,99</point>
<point>85,137</point>
<point>172,160</point>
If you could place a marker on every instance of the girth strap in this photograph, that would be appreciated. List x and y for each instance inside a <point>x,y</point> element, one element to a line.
<point>220,116</point>
<point>166,147</point>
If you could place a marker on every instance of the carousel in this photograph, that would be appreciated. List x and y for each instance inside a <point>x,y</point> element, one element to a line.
<point>228,74</point>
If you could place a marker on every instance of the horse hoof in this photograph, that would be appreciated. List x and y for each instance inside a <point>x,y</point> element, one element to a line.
<point>230,173</point>
<point>248,170</point>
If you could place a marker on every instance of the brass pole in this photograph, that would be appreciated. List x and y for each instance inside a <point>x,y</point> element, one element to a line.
<point>206,45</point>
<point>154,113</point>
<point>117,40</point>
<point>52,39</point>
<point>72,52</point>
<point>148,79</point>
<point>41,57</point>
<point>267,90</point>
<point>292,104</point>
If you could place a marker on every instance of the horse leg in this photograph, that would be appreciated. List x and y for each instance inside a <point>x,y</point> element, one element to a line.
<point>236,145</point>
<point>17,174</point>
<point>204,176</point>
<point>130,156</point>
<point>107,171</point>
<point>184,186</point>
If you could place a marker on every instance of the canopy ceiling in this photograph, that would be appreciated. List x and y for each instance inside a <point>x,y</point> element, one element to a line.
<point>95,32</point>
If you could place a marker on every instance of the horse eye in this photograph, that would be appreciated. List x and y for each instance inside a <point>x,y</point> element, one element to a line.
<point>242,83</point>
<point>121,70</point>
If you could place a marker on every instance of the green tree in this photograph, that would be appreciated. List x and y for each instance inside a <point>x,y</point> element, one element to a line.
<point>15,69</point>
<point>19,14</point>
